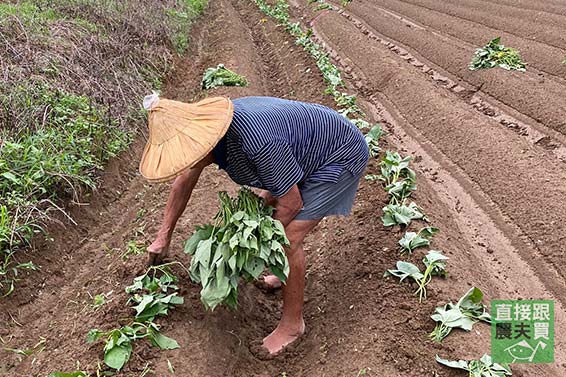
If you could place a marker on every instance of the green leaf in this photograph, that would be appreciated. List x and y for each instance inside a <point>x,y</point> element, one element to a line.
<point>255,267</point>
<point>69,374</point>
<point>428,232</point>
<point>483,367</point>
<point>412,241</point>
<point>11,177</point>
<point>464,314</point>
<point>203,252</point>
<point>394,214</point>
<point>437,263</point>
<point>117,356</point>
<point>405,270</point>
<point>93,335</point>
<point>200,235</point>
<point>222,76</point>
<point>279,273</point>
<point>460,364</point>
<point>162,341</point>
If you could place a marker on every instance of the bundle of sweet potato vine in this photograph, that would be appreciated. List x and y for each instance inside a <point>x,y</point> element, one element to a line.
<point>242,241</point>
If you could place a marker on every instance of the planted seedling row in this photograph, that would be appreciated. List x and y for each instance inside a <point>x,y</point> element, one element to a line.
<point>347,103</point>
<point>399,182</point>
<point>153,294</point>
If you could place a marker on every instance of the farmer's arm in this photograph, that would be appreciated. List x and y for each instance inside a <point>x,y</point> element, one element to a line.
<point>288,206</point>
<point>179,196</point>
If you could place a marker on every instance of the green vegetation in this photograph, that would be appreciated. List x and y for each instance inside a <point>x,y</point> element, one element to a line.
<point>412,240</point>
<point>401,214</point>
<point>494,54</point>
<point>467,311</point>
<point>484,367</point>
<point>435,265</point>
<point>68,374</point>
<point>222,76</point>
<point>372,140</point>
<point>398,179</point>
<point>98,301</point>
<point>244,241</point>
<point>330,73</point>
<point>154,294</point>
<point>133,248</point>
<point>74,72</point>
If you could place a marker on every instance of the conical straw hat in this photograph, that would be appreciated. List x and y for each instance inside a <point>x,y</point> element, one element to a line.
<point>182,134</point>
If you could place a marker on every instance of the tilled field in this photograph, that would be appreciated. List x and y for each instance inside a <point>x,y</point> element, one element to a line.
<point>489,154</point>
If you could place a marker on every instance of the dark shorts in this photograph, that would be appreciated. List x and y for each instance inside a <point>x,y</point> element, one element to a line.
<point>322,199</point>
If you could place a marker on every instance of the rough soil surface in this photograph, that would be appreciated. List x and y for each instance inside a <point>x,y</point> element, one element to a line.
<point>488,153</point>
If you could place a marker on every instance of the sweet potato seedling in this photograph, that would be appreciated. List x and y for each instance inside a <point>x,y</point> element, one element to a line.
<point>467,311</point>
<point>118,343</point>
<point>401,214</point>
<point>435,265</point>
<point>484,367</point>
<point>412,240</point>
<point>398,179</point>
<point>372,140</point>
<point>395,167</point>
<point>154,293</point>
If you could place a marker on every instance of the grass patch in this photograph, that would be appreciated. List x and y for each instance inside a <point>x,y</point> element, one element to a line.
<point>74,74</point>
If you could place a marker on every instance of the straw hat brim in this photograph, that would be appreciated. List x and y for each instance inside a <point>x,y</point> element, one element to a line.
<point>182,134</point>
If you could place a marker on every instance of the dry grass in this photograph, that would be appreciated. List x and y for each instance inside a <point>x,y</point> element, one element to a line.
<point>72,76</point>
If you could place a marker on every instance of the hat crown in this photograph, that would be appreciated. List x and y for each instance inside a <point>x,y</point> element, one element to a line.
<point>182,134</point>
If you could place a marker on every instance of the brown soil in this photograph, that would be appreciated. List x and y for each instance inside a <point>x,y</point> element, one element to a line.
<point>493,190</point>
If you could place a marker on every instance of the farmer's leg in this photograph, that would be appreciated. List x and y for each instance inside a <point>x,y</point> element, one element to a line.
<point>291,325</point>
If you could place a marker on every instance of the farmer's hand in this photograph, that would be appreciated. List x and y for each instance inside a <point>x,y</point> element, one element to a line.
<point>158,251</point>
<point>268,199</point>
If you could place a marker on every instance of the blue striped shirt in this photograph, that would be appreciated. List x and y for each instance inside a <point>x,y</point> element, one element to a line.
<point>275,143</point>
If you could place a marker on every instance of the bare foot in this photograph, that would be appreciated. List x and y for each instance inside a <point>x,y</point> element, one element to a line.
<point>282,337</point>
<point>157,251</point>
<point>269,283</point>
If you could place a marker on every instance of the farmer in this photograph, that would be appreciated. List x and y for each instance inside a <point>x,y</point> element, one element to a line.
<point>307,159</point>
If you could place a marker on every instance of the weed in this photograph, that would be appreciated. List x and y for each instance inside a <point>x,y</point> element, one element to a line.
<point>133,248</point>
<point>68,374</point>
<point>141,213</point>
<point>56,133</point>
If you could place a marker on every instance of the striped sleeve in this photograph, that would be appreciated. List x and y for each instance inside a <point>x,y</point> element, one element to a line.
<point>277,167</point>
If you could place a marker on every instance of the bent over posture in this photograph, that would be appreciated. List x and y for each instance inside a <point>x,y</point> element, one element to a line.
<point>307,158</point>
